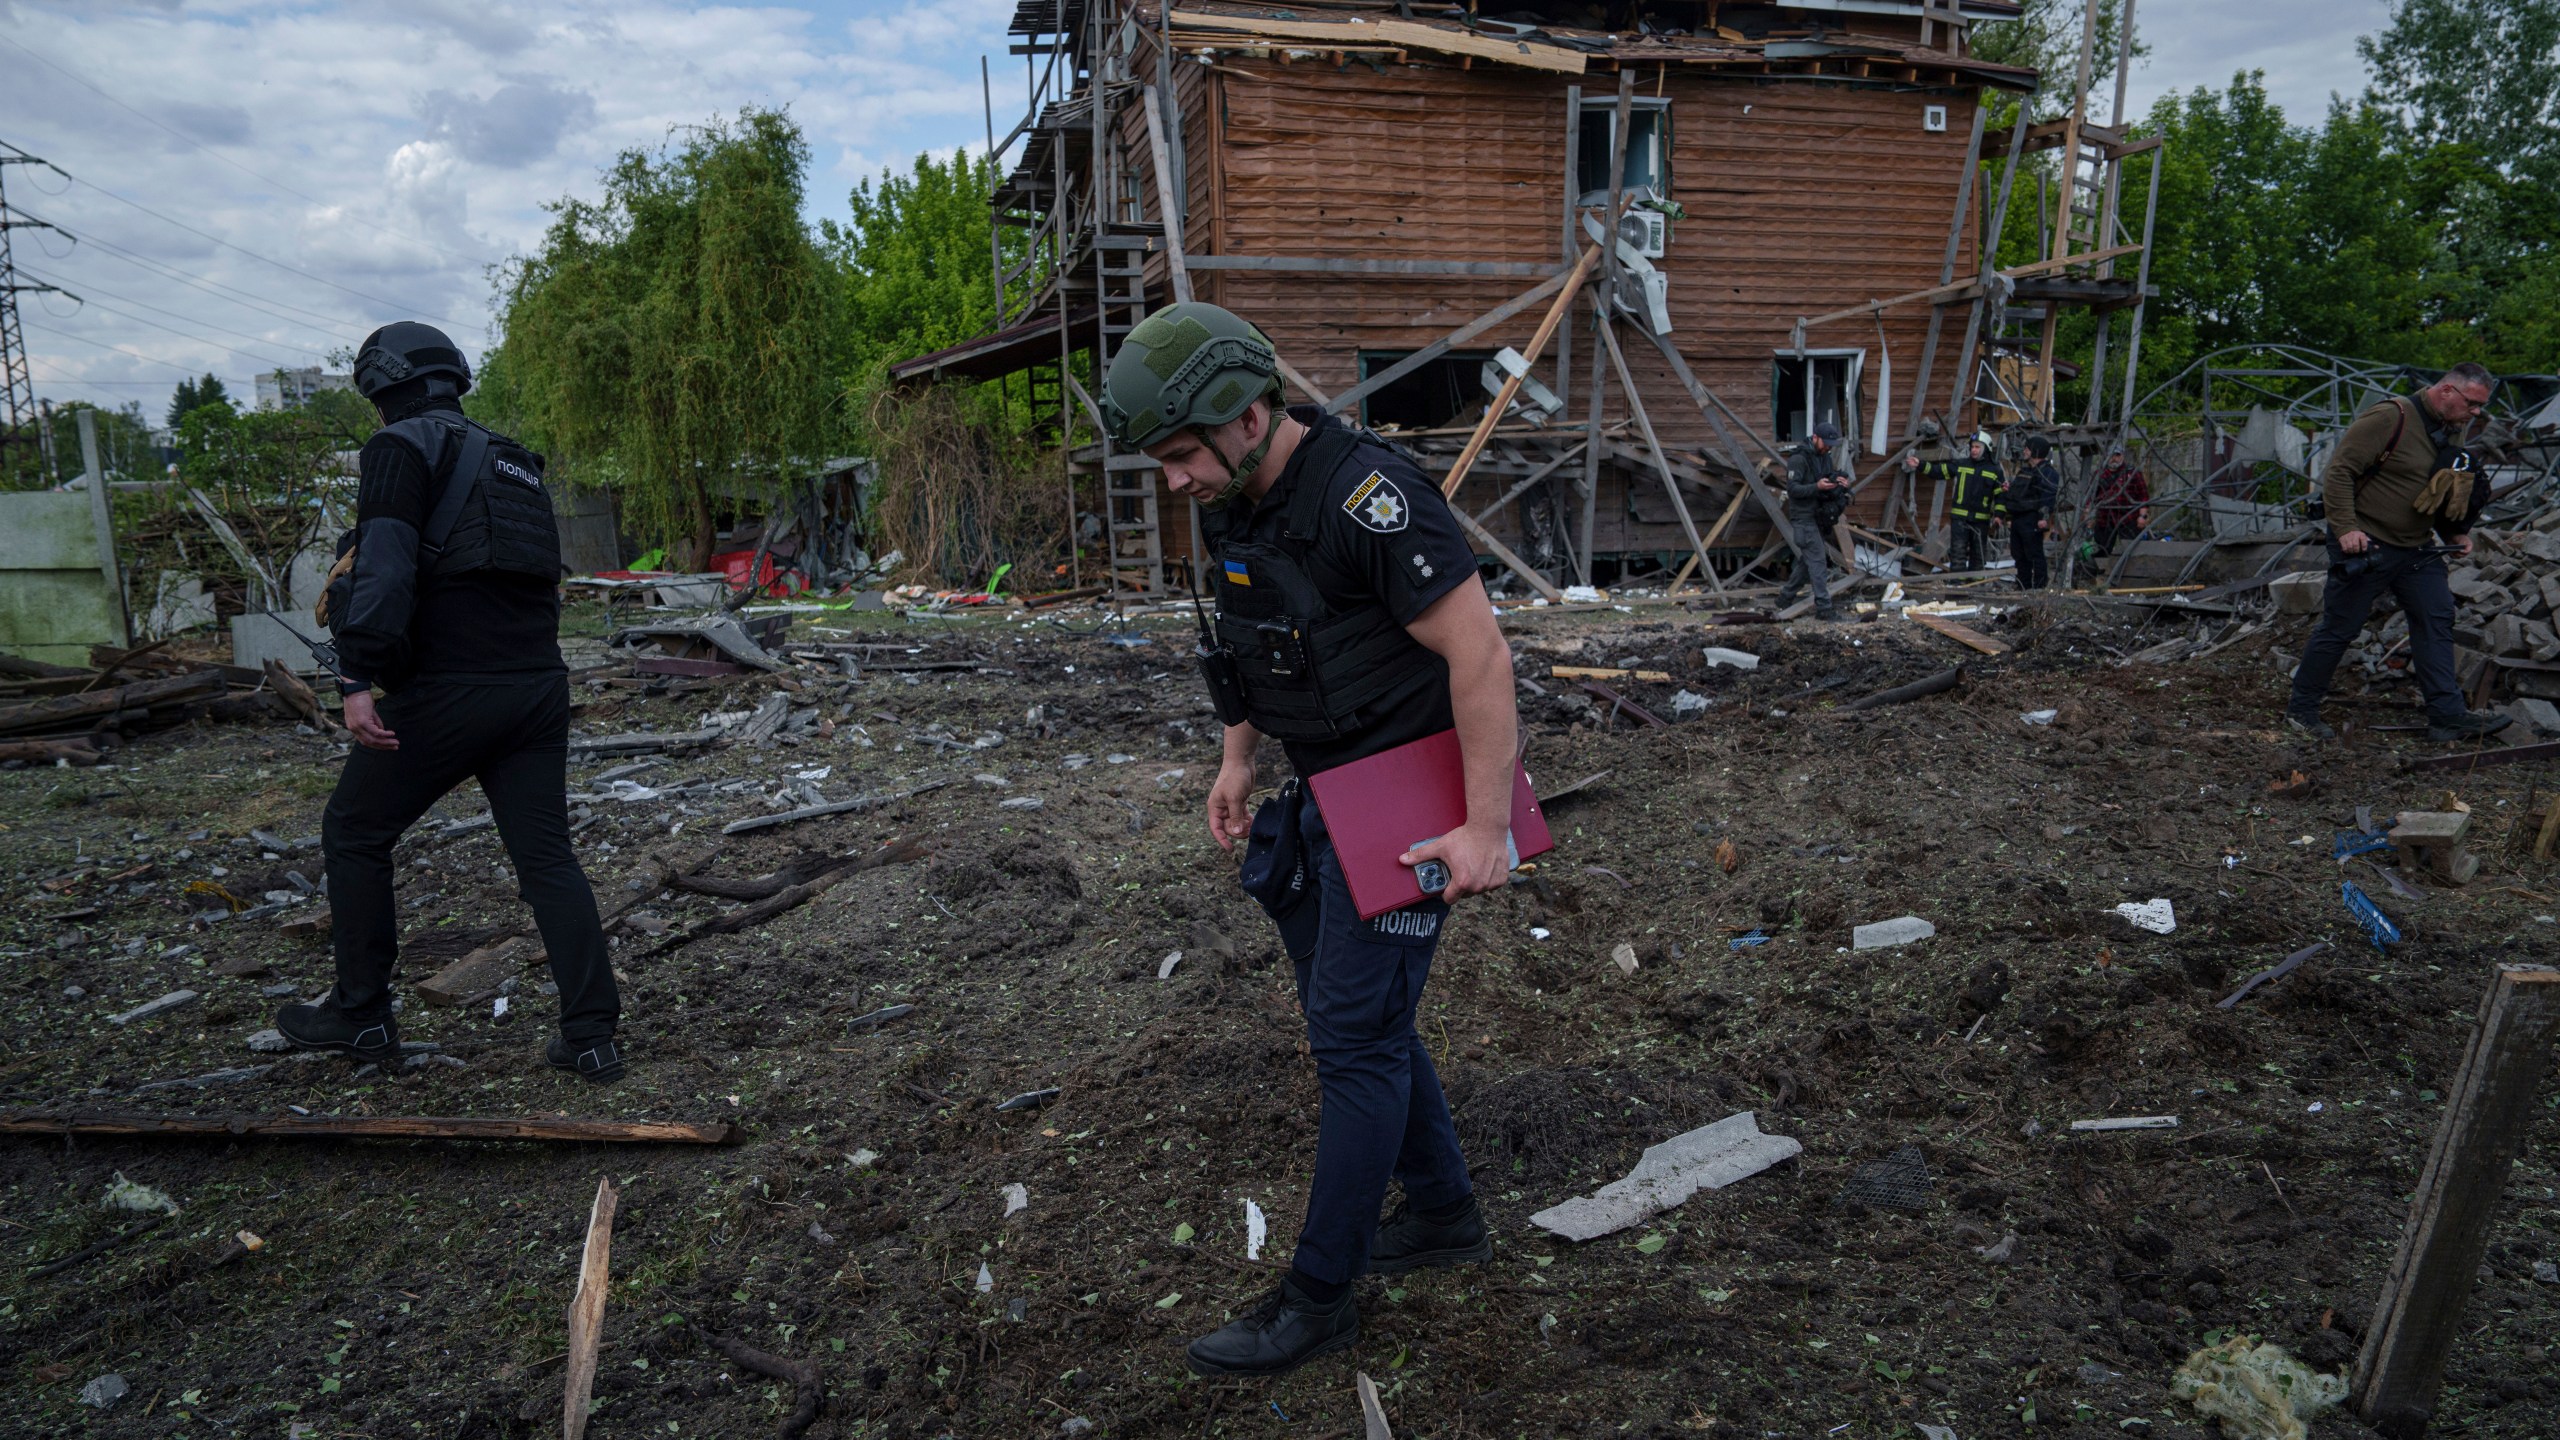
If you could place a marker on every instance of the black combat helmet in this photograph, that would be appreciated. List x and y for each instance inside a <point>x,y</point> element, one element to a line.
<point>404,350</point>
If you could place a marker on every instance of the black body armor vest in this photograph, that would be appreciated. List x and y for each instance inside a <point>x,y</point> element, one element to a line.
<point>506,523</point>
<point>1296,664</point>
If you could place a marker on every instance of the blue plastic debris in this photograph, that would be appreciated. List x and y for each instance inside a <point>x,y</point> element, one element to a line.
<point>2377,926</point>
<point>1745,942</point>
<point>2349,845</point>
<point>1126,641</point>
<point>1276,1410</point>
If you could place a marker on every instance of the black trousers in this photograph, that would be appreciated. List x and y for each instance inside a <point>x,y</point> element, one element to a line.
<point>1971,549</point>
<point>514,739</point>
<point>2418,581</point>
<point>2026,543</point>
<point>1813,565</point>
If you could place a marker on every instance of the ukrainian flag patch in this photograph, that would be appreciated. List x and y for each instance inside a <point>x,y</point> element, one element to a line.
<point>1236,573</point>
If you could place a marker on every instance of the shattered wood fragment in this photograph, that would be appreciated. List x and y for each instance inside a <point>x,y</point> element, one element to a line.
<point>78,752</point>
<point>895,852</point>
<point>92,1252</point>
<point>364,1127</point>
<point>1621,702</point>
<point>586,1313</point>
<point>72,711</point>
<point>1964,635</point>
<point>808,1381</point>
<point>298,698</point>
<point>2287,966</point>
<point>853,806</point>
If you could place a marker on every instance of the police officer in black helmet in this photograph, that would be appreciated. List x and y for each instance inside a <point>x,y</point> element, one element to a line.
<point>446,598</point>
<point>1350,620</point>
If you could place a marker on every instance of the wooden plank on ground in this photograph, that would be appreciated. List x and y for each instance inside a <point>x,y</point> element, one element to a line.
<point>2488,1111</point>
<point>1602,672</point>
<point>98,704</point>
<point>365,1127</point>
<point>1964,635</point>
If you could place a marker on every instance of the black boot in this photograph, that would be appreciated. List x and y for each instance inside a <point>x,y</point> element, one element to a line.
<point>325,1027</point>
<point>597,1060</point>
<point>1283,1331</point>
<point>2470,725</point>
<point>1410,1240</point>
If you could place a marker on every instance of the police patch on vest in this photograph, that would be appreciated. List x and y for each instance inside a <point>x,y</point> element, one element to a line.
<point>517,473</point>
<point>1378,504</point>
<point>1413,924</point>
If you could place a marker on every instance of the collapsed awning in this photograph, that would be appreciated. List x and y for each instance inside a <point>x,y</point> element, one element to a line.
<point>1000,352</point>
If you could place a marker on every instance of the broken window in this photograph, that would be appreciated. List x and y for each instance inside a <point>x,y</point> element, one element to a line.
<point>1648,167</point>
<point>1432,395</point>
<point>1807,389</point>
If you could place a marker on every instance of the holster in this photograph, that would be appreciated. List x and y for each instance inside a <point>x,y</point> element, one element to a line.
<point>1275,872</point>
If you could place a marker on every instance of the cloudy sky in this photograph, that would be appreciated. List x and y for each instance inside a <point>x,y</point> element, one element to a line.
<point>258,184</point>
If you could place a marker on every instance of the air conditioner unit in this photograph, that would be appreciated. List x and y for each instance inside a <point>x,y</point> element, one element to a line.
<point>1647,232</point>
<point>1933,118</point>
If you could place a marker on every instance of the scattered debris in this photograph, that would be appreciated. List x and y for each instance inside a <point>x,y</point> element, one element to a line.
<point>1030,1099</point>
<point>877,1018</point>
<point>175,999</point>
<point>1625,957</point>
<point>1938,684</point>
<point>2258,1392</point>
<point>2157,916</point>
<point>1728,856</point>
<point>141,1199</point>
<point>2002,1252</point>
<point>1688,703</point>
<point>103,1392</point>
<point>2377,926</point>
<point>2287,966</point>
<point>1738,659</point>
<point>586,1313</point>
<point>1884,934</point>
<point>2430,844</point>
<point>2040,717</point>
<point>1164,969</point>
<point>376,1127</point>
<point>1707,1158</point>
<point>1017,1198</point>
<point>2129,1122</point>
<point>1373,1415</point>
<point>986,1279</point>
<point>1256,1231</point>
<point>1745,942</point>
<point>854,806</point>
<point>808,1381</point>
<point>1021,802</point>
<point>1899,1181</point>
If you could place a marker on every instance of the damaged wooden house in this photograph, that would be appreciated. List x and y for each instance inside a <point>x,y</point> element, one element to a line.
<point>1413,202</point>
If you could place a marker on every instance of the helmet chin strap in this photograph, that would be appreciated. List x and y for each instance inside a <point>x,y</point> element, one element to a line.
<point>1238,471</point>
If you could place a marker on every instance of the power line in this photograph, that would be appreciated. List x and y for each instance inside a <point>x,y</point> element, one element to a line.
<point>163,270</point>
<point>261,259</point>
<point>114,349</point>
<point>265,361</point>
<point>84,299</point>
<point>95,89</point>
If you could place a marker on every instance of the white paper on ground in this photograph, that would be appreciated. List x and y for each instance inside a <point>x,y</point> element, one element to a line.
<point>1016,1199</point>
<point>1707,1158</point>
<point>2157,916</point>
<point>1373,1415</point>
<point>1256,1230</point>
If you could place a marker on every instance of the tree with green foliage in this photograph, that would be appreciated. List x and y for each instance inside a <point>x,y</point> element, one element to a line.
<point>676,339</point>
<point>271,475</point>
<point>193,393</point>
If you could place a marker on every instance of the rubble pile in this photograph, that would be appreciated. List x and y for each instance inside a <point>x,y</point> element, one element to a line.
<point>2506,627</point>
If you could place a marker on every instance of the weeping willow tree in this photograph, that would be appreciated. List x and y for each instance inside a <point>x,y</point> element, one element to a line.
<point>670,340</point>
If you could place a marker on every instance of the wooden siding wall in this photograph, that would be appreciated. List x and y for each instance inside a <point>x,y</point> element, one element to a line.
<point>1802,196</point>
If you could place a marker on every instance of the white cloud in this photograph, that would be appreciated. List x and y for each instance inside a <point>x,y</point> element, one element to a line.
<point>407,147</point>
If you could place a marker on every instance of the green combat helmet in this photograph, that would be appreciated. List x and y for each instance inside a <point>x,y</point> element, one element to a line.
<point>1189,366</point>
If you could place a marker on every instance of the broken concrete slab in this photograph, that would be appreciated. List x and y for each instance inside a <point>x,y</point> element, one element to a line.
<point>1707,1158</point>
<point>1884,934</point>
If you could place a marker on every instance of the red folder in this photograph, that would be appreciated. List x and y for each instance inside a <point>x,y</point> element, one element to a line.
<point>1377,809</point>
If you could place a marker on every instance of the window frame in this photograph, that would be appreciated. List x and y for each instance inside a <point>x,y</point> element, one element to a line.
<point>1852,413</point>
<point>1605,109</point>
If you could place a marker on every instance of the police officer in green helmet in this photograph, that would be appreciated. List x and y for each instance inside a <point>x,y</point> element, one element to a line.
<point>1349,620</point>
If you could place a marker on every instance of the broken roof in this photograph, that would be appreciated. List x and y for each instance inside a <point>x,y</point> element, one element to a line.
<point>1801,40</point>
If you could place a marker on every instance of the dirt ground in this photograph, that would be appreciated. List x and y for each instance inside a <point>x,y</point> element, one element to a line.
<point>419,1288</point>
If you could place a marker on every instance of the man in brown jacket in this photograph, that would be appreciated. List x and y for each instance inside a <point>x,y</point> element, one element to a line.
<point>2380,540</point>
